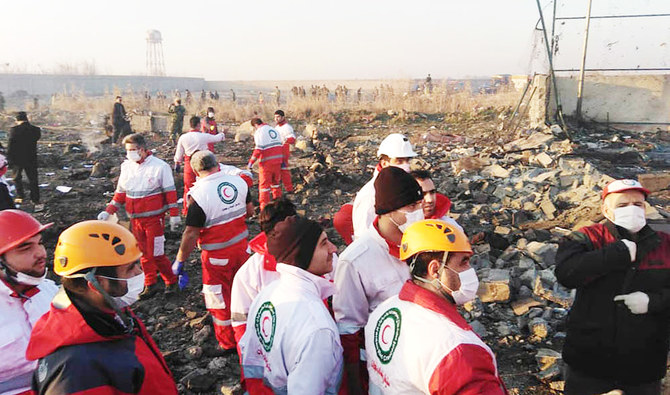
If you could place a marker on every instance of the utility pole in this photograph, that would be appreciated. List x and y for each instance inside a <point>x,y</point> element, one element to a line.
<point>580,88</point>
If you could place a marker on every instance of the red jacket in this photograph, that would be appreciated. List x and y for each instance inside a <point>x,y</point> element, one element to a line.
<point>75,359</point>
<point>259,245</point>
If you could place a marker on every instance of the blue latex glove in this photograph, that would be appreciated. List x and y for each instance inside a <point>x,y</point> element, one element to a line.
<point>177,167</point>
<point>178,267</point>
<point>183,280</point>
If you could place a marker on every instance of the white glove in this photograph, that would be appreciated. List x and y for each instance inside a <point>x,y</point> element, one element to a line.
<point>174,223</point>
<point>632,248</point>
<point>103,216</point>
<point>637,302</point>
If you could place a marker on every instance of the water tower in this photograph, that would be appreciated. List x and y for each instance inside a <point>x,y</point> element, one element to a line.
<point>155,62</point>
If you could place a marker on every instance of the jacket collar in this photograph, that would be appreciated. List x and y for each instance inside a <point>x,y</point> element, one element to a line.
<point>259,245</point>
<point>317,285</point>
<point>392,248</point>
<point>413,293</point>
<point>442,206</point>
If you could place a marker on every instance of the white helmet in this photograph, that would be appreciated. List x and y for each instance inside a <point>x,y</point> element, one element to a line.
<point>395,145</point>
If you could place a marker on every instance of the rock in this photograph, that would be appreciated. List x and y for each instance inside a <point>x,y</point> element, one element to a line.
<point>194,352</point>
<point>304,145</point>
<point>502,230</point>
<point>521,307</point>
<point>543,159</point>
<point>201,336</point>
<point>503,329</point>
<point>199,380</point>
<point>479,328</point>
<point>655,182</point>
<point>241,136</point>
<point>547,288</point>
<point>538,327</point>
<point>232,388</point>
<point>547,357</point>
<point>191,314</point>
<point>217,364</point>
<point>542,253</point>
<point>197,322</point>
<point>495,171</point>
<point>495,287</point>
<point>99,170</point>
<point>548,209</point>
<point>310,131</point>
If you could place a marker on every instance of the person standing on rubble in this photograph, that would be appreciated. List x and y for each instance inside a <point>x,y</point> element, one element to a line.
<point>353,219</point>
<point>218,207</point>
<point>120,120</point>
<point>435,205</point>
<point>618,329</point>
<point>22,155</point>
<point>209,126</point>
<point>146,189</point>
<point>25,295</point>
<point>189,143</point>
<point>417,341</point>
<point>90,341</point>
<point>269,152</point>
<point>295,345</point>
<point>178,111</point>
<point>369,270</point>
<point>288,138</point>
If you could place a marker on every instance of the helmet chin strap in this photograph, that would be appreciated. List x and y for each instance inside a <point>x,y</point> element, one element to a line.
<point>125,318</point>
<point>436,283</point>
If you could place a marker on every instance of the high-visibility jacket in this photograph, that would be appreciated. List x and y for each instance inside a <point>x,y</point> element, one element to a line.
<point>416,342</point>
<point>223,200</point>
<point>287,136</point>
<point>294,344</point>
<point>194,141</point>
<point>363,212</point>
<point>367,273</point>
<point>268,146</point>
<point>236,171</point>
<point>75,359</point>
<point>18,315</point>
<point>146,188</point>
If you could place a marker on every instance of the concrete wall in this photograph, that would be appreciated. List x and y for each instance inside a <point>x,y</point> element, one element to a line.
<point>47,84</point>
<point>627,98</point>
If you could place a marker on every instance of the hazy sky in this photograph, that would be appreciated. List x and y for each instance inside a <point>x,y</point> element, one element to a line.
<point>301,39</point>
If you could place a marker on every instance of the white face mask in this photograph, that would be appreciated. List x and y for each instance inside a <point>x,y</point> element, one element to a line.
<point>631,218</point>
<point>133,156</point>
<point>404,166</point>
<point>469,286</point>
<point>135,287</point>
<point>210,114</point>
<point>23,278</point>
<point>410,218</point>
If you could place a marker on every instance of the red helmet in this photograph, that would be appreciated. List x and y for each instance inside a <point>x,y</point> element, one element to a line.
<point>17,226</point>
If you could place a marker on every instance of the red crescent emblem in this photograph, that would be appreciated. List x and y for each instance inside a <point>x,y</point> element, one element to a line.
<point>263,325</point>
<point>383,332</point>
<point>225,194</point>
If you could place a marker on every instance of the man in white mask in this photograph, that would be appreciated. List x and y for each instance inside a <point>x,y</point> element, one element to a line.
<point>369,270</point>
<point>417,342</point>
<point>90,341</point>
<point>618,329</point>
<point>25,295</point>
<point>353,219</point>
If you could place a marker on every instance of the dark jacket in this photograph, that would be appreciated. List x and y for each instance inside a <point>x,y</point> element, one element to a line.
<point>604,339</point>
<point>6,201</point>
<point>85,351</point>
<point>119,115</point>
<point>22,144</point>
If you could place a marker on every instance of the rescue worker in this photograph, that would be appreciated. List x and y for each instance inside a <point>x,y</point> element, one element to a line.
<point>6,200</point>
<point>178,111</point>
<point>90,342</point>
<point>25,295</point>
<point>209,126</point>
<point>394,150</point>
<point>255,274</point>
<point>416,341</point>
<point>146,189</point>
<point>218,206</point>
<point>22,155</point>
<point>369,270</point>
<point>295,345</point>
<point>435,205</point>
<point>288,139</point>
<point>188,144</point>
<point>268,152</point>
<point>617,329</point>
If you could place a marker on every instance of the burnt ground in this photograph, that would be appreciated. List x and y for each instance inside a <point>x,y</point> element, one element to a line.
<point>326,175</point>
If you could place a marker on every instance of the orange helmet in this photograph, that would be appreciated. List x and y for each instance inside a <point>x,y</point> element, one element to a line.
<point>17,226</point>
<point>432,235</point>
<point>91,244</point>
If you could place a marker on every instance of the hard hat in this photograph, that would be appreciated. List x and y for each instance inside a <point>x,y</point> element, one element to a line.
<point>395,145</point>
<point>618,186</point>
<point>91,244</point>
<point>432,235</point>
<point>17,226</point>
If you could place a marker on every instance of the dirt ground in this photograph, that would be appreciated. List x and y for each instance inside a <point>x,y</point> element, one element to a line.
<point>341,162</point>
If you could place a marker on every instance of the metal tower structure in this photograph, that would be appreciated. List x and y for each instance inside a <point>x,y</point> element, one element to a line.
<point>155,61</point>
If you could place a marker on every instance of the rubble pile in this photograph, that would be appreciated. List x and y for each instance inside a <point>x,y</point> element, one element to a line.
<point>515,196</point>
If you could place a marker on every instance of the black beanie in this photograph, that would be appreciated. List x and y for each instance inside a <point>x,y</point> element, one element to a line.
<point>293,241</point>
<point>395,188</point>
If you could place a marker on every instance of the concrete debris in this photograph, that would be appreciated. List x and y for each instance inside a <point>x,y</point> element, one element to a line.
<point>495,287</point>
<point>655,182</point>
